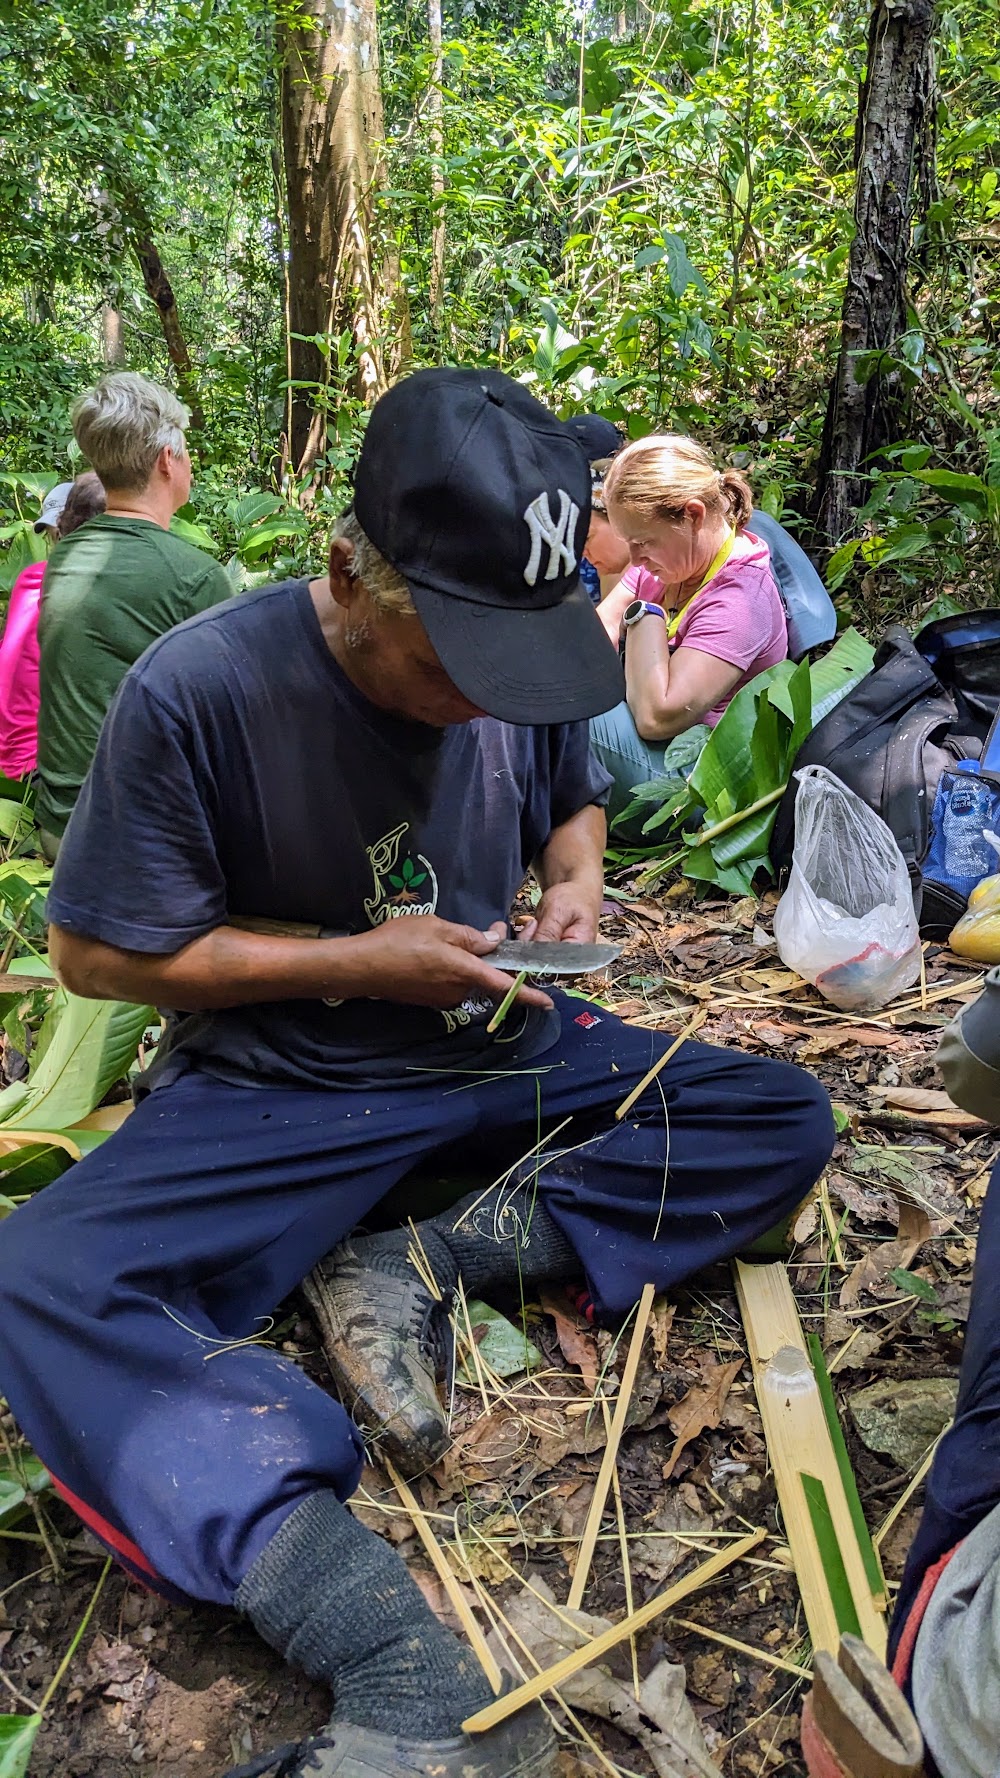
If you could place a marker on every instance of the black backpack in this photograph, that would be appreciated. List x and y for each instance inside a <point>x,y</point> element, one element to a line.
<point>896,741</point>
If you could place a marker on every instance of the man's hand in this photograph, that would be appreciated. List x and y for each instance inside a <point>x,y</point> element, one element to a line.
<point>423,961</point>
<point>565,912</point>
<point>570,871</point>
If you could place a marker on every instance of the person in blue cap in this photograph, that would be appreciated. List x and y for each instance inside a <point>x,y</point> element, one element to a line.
<point>378,755</point>
<point>599,439</point>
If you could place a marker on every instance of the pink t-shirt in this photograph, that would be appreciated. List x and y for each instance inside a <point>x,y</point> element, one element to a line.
<point>19,675</point>
<point>738,616</point>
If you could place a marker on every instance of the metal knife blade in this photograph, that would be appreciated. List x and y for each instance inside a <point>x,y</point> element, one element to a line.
<point>562,958</point>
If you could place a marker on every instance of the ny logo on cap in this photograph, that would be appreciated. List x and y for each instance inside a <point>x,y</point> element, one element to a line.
<point>558,534</point>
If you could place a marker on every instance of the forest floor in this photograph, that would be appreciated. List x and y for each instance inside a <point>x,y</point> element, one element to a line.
<point>881,1267</point>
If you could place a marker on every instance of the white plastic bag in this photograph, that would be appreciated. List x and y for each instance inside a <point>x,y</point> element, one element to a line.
<point>846,920</point>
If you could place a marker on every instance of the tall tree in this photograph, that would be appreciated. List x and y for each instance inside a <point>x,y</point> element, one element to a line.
<point>894,157</point>
<point>435,124</point>
<point>332,130</point>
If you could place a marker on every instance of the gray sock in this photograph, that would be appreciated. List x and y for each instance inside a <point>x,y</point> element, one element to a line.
<point>337,1601</point>
<point>505,1237</point>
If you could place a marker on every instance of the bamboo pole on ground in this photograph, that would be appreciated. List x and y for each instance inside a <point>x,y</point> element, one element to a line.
<point>836,1592</point>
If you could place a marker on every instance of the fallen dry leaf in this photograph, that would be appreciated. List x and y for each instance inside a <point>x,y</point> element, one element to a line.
<point>700,1409</point>
<point>806,1223</point>
<point>662,1720</point>
<point>839,1036</point>
<point>930,1105</point>
<point>577,1346</point>
<point>658,1556</point>
<point>914,1230</point>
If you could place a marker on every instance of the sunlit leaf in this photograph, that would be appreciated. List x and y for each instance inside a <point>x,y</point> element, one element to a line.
<point>17,1738</point>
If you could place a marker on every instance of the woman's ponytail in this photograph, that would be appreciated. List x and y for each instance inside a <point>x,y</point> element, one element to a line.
<point>738,497</point>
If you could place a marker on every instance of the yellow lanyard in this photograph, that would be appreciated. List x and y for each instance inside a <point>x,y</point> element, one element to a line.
<point>717,562</point>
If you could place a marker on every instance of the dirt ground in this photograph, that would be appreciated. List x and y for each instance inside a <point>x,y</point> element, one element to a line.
<point>881,1264</point>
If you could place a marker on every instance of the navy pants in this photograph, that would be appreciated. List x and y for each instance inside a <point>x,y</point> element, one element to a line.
<point>127,1282</point>
<point>964,1480</point>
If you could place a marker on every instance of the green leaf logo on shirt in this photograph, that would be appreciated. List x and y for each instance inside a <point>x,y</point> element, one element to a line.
<point>411,877</point>
<point>403,884</point>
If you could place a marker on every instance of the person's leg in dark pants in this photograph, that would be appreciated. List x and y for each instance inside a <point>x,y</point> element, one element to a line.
<point>716,1151</point>
<point>212,1465</point>
<point>964,1480</point>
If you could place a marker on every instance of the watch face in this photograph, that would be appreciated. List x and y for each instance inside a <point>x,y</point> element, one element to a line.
<point>634,611</point>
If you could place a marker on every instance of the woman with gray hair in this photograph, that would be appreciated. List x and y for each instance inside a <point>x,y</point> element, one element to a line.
<point>118,583</point>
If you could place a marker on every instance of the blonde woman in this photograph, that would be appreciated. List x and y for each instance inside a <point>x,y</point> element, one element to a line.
<point>698,614</point>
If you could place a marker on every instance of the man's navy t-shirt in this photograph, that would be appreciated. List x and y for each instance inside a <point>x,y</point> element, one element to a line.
<point>240,772</point>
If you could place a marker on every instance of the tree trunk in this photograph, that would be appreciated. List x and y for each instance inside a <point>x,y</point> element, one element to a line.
<point>160,291</point>
<point>332,129</point>
<point>894,145</point>
<point>436,134</point>
<point>112,344</point>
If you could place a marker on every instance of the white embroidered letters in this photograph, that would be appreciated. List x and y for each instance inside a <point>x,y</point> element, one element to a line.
<point>559,535</point>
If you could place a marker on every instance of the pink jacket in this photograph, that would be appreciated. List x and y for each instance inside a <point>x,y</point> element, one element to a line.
<point>19,675</point>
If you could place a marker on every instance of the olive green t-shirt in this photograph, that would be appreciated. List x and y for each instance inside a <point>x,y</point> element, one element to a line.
<point>111,588</point>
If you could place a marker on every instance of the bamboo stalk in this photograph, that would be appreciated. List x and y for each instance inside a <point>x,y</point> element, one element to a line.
<point>553,1676</point>
<point>459,1603</point>
<point>834,1585</point>
<point>693,1025</point>
<point>507,1002</point>
<point>610,1458</point>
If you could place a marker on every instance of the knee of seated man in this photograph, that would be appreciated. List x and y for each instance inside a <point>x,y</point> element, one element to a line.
<point>803,1118</point>
<point>35,1252</point>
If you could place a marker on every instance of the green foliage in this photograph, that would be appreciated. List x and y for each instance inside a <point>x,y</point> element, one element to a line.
<point>83,1047</point>
<point>19,1480</point>
<point>501,1346</point>
<point>17,1738</point>
<point>725,813</point>
<point>652,222</point>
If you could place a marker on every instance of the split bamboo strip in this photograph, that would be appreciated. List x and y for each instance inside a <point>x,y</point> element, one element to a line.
<point>553,1676</point>
<point>693,1024</point>
<point>504,1631</point>
<point>826,1210</point>
<point>911,1487</point>
<point>804,1461</point>
<point>507,1002</point>
<point>610,1458</point>
<point>744,1648</point>
<point>616,1487</point>
<point>460,1606</point>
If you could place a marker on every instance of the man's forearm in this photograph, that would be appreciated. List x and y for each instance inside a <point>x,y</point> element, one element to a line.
<point>224,968</point>
<point>575,853</point>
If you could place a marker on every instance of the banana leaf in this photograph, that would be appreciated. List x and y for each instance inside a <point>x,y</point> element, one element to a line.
<point>17,1738</point>
<point>744,767</point>
<point>84,1046</point>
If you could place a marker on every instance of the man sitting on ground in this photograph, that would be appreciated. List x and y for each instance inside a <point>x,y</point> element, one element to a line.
<point>117,583</point>
<point>317,752</point>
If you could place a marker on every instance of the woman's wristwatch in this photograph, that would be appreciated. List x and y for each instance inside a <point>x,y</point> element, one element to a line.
<point>639,609</point>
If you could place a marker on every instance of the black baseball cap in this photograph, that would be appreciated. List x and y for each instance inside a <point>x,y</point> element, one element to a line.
<point>480,499</point>
<point>598,438</point>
